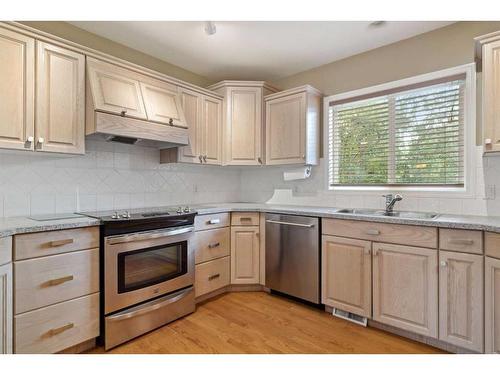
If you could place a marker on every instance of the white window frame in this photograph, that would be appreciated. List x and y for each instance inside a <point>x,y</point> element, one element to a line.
<point>468,190</point>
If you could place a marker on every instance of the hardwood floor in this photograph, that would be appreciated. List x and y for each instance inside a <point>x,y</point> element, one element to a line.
<point>256,322</point>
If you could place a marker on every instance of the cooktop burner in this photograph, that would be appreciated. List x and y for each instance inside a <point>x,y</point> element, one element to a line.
<point>140,213</point>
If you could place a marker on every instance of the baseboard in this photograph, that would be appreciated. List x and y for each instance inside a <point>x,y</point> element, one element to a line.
<point>230,288</point>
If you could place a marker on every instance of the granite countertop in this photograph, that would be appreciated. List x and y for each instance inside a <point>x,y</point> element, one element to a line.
<point>16,225</point>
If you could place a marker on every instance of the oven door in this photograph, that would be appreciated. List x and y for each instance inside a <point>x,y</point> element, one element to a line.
<point>141,266</point>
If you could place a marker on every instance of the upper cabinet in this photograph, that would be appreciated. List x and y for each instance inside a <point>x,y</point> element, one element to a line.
<point>55,121</point>
<point>115,90</point>
<point>17,87</point>
<point>163,103</point>
<point>243,125</point>
<point>60,100</point>
<point>293,126</point>
<point>488,50</point>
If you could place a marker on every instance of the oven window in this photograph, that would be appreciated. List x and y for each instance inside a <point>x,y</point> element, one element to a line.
<point>146,267</point>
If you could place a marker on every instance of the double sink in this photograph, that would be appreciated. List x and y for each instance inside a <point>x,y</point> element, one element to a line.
<point>400,214</point>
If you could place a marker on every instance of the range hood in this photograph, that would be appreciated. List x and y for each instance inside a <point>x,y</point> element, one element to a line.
<point>127,107</point>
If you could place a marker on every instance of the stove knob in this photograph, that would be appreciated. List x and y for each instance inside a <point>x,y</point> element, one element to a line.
<point>179,210</point>
<point>126,215</point>
<point>187,209</point>
<point>115,215</point>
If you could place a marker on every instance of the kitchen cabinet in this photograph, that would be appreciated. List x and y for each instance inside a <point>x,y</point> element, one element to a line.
<point>492,305</point>
<point>491,93</point>
<point>211,131</point>
<point>17,90</point>
<point>60,100</point>
<point>115,90</point>
<point>191,103</point>
<point>293,126</point>
<point>245,249</point>
<point>461,299</point>
<point>405,287</point>
<point>243,129</point>
<point>6,309</point>
<point>346,274</point>
<point>163,103</point>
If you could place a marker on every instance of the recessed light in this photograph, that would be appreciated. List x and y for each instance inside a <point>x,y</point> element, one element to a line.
<point>210,28</point>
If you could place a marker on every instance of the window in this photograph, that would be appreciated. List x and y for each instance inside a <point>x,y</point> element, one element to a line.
<point>406,135</point>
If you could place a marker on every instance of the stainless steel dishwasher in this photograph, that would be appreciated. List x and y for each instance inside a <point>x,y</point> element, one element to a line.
<point>293,256</point>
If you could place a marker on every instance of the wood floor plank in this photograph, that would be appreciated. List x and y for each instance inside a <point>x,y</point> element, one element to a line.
<point>257,322</point>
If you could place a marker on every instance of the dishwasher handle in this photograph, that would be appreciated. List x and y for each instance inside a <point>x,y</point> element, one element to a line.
<point>290,223</point>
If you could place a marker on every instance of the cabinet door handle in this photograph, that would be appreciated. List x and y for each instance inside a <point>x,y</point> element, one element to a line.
<point>59,281</point>
<point>212,245</point>
<point>259,160</point>
<point>57,243</point>
<point>201,158</point>
<point>56,331</point>
<point>443,263</point>
<point>487,141</point>
<point>213,221</point>
<point>373,232</point>
<point>367,251</point>
<point>40,142</point>
<point>171,121</point>
<point>205,158</point>
<point>123,113</point>
<point>216,276</point>
<point>460,241</point>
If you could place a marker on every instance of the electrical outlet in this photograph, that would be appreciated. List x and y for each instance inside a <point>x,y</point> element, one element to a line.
<point>195,188</point>
<point>490,192</point>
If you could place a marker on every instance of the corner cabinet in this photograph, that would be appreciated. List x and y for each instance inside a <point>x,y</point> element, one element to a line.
<point>488,49</point>
<point>293,126</point>
<point>245,251</point>
<point>405,287</point>
<point>243,124</point>
<point>346,274</point>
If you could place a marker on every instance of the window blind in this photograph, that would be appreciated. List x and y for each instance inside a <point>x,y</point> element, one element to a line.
<point>410,136</point>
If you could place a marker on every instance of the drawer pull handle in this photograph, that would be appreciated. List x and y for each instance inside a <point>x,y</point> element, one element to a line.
<point>214,221</point>
<point>57,243</point>
<point>373,232</point>
<point>459,241</point>
<point>245,218</point>
<point>212,245</point>
<point>56,331</point>
<point>216,276</point>
<point>58,281</point>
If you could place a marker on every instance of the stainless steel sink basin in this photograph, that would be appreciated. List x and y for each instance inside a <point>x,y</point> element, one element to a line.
<point>401,214</point>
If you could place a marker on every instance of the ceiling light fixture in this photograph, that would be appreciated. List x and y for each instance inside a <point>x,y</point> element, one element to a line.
<point>210,28</point>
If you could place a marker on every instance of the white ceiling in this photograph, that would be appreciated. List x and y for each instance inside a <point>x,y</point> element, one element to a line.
<point>254,50</point>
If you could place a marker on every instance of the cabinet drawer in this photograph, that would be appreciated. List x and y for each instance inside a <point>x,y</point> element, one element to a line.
<point>5,250</point>
<point>54,328</point>
<point>466,241</point>
<point>203,222</point>
<point>40,244</point>
<point>381,232</point>
<point>492,244</point>
<point>44,281</point>
<point>245,218</point>
<point>212,275</point>
<point>212,244</point>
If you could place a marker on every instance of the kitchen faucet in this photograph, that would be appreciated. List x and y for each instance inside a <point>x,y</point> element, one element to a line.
<point>390,201</point>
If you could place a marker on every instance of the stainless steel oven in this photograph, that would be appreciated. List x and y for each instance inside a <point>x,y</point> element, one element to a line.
<point>141,266</point>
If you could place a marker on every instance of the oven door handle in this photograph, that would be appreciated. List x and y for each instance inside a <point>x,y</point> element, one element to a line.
<point>148,235</point>
<point>140,310</point>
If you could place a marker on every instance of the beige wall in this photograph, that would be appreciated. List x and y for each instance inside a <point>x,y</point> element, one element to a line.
<point>83,37</point>
<point>438,49</point>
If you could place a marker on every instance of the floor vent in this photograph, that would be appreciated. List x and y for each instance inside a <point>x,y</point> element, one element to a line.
<point>350,317</point>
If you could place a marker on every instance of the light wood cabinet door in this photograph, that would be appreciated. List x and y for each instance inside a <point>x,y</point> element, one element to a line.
<point>245,247</point>
<point>211,130</point>
<point>492,305</point>
<point>17,90</point>
<point>286,130</point>
<point>6,309</point>
<point>405,287</point>
<point>163,104</point>
<point>192,106</point>
<point>243,127</point>
<point>346,274</point>
<point>491,96</point>
<point>60,100</point>
<point>115,90</point>
<point>461,299</point>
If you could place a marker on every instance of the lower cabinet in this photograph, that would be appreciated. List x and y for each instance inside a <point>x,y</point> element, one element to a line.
<point>405,285</point>
<point>212,275</point>
<point>6,309</point>
<point>245,248</point>
<point>461,299</point>
<point>347,274</point>
<point>492,305</point>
